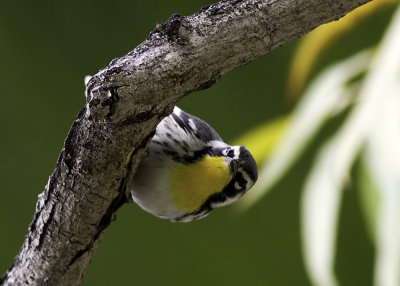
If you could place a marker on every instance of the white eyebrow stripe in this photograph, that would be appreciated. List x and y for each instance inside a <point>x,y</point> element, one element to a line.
<point>226,202</point>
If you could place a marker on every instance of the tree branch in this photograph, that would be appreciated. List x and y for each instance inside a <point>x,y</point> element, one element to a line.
<point>125,102</point>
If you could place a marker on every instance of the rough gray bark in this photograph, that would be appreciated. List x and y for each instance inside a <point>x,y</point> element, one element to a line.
<point>125,102</point>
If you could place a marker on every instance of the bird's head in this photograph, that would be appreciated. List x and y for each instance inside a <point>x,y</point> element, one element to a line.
<point>221,175</point>
<point>243,170</point>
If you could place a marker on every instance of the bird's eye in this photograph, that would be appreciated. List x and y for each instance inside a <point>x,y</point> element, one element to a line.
<point>230,153</point>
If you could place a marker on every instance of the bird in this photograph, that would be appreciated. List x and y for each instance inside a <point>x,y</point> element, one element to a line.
<point>188,170</point>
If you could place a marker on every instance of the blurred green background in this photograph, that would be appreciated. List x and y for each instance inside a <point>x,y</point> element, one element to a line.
<point>46,49</point>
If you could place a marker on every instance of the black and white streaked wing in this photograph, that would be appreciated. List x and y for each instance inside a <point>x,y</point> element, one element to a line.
<point>194,126</point>
<point>183,137</point>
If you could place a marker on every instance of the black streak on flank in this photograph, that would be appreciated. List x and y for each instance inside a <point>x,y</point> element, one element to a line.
<point>197,155</point>
<point>170,152</point>
<point>185,146</point>
<point>173,154</point>
<point>185,149</point>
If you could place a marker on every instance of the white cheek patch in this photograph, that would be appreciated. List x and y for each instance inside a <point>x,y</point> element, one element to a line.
<point>249,183</point>
<point>246,177</point>
<point>228,201</point>
<point>237,186</point>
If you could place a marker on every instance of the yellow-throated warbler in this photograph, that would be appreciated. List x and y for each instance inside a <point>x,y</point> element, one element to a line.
<point>188,170</point>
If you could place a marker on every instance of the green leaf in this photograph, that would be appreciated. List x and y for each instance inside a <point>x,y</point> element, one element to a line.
<point>369,197</point>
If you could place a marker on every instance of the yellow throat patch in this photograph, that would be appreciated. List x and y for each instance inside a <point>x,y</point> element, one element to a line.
<point>193,184</point>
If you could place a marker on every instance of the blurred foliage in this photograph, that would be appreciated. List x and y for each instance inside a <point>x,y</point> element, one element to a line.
<point>369,197</point>
<point>367,85</point>
<point>314,44</point>
<point>263,139</point>
<point>47,47</point>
